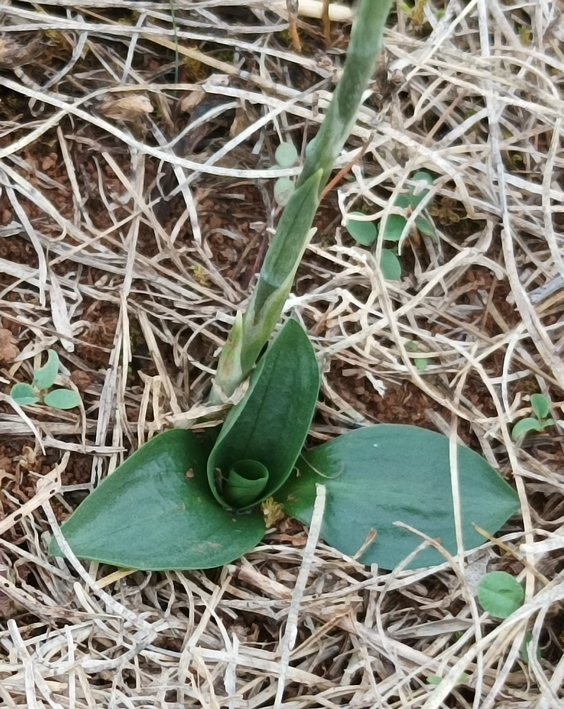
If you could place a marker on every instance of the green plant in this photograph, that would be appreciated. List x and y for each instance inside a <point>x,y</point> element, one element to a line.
<point>500,594</point>
<point>38,390</point>
<point>181,502</point>
<point>542,419</point>
<point>396,225</point>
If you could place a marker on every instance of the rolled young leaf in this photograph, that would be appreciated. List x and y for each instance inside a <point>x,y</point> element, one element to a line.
<point>379,475</point>
<point>270,424</point>
<point>245,483</point>
<point>156,512</point>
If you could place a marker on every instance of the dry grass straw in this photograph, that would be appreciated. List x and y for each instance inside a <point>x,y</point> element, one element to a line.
<point>473,95</point>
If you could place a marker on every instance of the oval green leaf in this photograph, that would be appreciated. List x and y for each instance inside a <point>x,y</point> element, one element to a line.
<point>540,405</point>
<point>380,475</point>
<point>286,155</point>
<point>500,594</point>
<point>425,227</point>
<point>156,512</point>
<point>364,233</point>
<point>524,426</point>
<point>423,181</point>
<point>45,376</point>
<point>24,394</point>
<point>62,399</point>
<point>271,422</point>
<point>394,227</point>
<point>390,265</point>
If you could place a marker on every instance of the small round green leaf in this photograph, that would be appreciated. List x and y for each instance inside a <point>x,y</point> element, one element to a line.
<point>283,189</point>
<point>45,376</point>
<point>364,233</point>
<point>286,155</point>
<point>390,265</point>
<point>24,394</point>
<point>525,426</point>
<point>394,228</point>
<point>423,181</point>
<point>246,481</point>
<point>541,405</point>
<point>500,594</point>
<point>62,399</point>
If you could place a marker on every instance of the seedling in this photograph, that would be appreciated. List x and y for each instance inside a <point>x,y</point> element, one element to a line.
<point>183,503</point>
<point>286,155</point>
<point>39,391</point>
<point>421,363</point>
<point>365,233</point>
<point>500,594</point>
<point>542,419</point>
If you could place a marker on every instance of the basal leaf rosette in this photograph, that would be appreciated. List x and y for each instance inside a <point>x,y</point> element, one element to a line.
<point>168,507</point>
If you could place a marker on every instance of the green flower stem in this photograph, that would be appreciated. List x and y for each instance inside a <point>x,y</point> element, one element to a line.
<point>294,229</point>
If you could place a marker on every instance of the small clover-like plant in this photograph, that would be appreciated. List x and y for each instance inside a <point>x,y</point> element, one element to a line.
<point>365,233</point>
<point>500,594</point>
<point>286,156</point>
<point>541,406</point>
<point>39,391</point>
<point>395,226</point>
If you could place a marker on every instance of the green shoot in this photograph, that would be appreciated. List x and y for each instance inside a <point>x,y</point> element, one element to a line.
<point>43,379</point>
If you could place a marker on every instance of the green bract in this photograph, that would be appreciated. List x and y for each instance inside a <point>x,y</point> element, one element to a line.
<point>182,503</point>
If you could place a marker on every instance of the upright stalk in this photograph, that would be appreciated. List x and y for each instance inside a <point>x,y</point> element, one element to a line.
<point>252,329</point>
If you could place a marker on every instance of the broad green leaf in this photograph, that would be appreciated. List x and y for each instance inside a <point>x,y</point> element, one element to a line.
<point>380,475</point>
<point>362,232</point>
<point>525,426</point>
<point>156,512</point>
<point>500,594</point>
<point>24,394</point>
<point>271,423</point>
<point>541,405</point>
<point>62,399</point>
<point>45,376</point>
<point>424,226</point>
<point>286,155</point>
<point>283,189</point>
<point>390,265</point>
<point>394,228</point>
